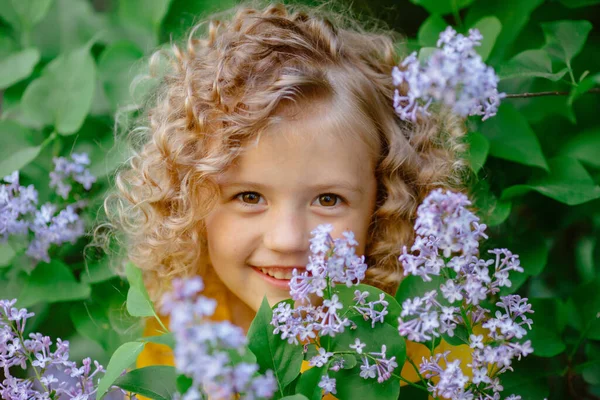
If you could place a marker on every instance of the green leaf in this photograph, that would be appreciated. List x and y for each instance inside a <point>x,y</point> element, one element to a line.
<point>78,23</point>
<point>349,383</point>
<point>565,39</point>
<point>24,14</point>
<point>429,31</point>
<point>295,397</point>
<point>586,302</point>
<point>184,383</point>
<point>528,379</point>
<point>583,86</point>
<point>123,358</point>
<point>167,339</point>
<point>568,182</point>
<point>307,385</point>
<point>346,297</point>
<point>98,271</point>
<point>51,283</point>
<point>116,72</point>
<point>6,254</point>
<point>155,382</point>
<point>145,13</point>
<point>512,138</point>
<point>490,28</point>
<point>584,147</point>
<point>532,250</point>
<point>479,147</point>
<point>413,286</point>
<point>62,96</point>
<point>271,351</point>
<point>512,21</point>
<point>530,64</point>
<point>490,209</point>
<point>185,13</point>
<point>138,300</point>
<point>17,148</point>
<point>546,331</point>
<point>442,6</point>
<point>17,66</point>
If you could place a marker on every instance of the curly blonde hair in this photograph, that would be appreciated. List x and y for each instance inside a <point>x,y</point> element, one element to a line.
<point>224,87</point>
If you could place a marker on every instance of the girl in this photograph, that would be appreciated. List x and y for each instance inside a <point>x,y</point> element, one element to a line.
<point>274,121</point>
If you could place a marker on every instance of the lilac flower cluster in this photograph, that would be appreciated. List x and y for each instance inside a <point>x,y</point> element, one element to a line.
<point>454,75</point>
<point>19,213</point>
<point>35,352</point>
<point>447,244</point>
<point>332,262</point>
<point>66,171</point>
<point>205,350</point>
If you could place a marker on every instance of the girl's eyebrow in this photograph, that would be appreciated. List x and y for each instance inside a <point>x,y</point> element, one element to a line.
<point>317,187</point>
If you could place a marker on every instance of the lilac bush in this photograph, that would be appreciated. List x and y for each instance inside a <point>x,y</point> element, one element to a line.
<point>454,75</point>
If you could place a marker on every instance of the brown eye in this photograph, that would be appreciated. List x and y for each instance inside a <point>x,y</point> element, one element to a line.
<point>250,197</point>
<point>328,200</point>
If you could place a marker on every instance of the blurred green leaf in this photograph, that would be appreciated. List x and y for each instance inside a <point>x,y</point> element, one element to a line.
<point>565,39</point>
<point>413,286</point>
<point>430,30</point>
<point>154,382</point>
<point>17,148</point>
<point>69,25</point>
<point>23,14</point>
<point>6,254</point>
<point>567,182</point>
<point>584,147</point>
<point>51,282</point>
<point>530,64</point>
<point>584,258</point>
<point>528,379</point>
<point>586,305</point>
<point>295,397</point>
<point>512,138</point>
<point>145,13</point>
<point>62,96</point>
<point>442,6</point>
<point>490,28</point>
<point>479,147</point>
<point>17,66</point>
<point>546,332</point>
<point>532,250</point>
<point>116,71</point>
<point>122,358</point>
<point>183,14</point>
<point>583,86</point>
<point>138,300</point>
<point>308,383</point>
<point>491,210</point>
<point>97,272</point>
<point>512,21</point>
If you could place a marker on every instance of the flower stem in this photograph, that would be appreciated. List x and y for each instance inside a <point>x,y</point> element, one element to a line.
<point>551,93</point>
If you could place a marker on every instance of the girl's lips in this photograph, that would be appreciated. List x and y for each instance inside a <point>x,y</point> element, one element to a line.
<point>279,283</point>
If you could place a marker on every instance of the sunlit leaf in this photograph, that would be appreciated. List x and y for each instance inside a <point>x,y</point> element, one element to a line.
<point>62,96</point>
<point>121,359</point>
<point>565,39</point>
<point>17,66</point>
<point>17,149</point>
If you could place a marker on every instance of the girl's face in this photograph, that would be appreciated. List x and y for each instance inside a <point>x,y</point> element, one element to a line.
<point>298,176</point>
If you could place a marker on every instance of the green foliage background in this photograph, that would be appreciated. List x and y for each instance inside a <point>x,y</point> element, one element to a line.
<point>65,71</point>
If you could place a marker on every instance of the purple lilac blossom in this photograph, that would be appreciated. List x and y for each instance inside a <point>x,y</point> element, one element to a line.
<point>16,351</point>
<point>19,214</point>
<point>203,348</point>
<point>454,75</point>
<point>66,171</point>
<point>447,244</point>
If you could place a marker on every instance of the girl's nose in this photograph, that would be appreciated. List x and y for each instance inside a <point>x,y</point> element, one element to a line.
<point>286,232</point>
